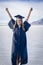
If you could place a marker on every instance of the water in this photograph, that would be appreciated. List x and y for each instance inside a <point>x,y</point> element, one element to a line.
<point>34,45</point>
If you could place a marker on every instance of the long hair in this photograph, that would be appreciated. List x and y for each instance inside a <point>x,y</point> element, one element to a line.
<point>14,26</point>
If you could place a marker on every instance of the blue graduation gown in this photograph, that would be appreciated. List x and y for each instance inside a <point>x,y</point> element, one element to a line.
<point>19,43</point>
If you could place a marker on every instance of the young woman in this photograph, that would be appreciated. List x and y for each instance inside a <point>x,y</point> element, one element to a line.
<point>19,43</point>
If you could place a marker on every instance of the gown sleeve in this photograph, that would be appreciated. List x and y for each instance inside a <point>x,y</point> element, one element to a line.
<point>26,25</point>
<point>11,23</point>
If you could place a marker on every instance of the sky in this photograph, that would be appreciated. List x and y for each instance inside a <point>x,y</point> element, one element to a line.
<point>21,8</point>
<point>24,0</point>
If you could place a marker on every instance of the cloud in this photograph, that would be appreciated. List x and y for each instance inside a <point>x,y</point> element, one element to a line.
<point>21,8</point>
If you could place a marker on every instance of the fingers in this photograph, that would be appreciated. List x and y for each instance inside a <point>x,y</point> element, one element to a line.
<point>31,9</point>
<point>6,9</point>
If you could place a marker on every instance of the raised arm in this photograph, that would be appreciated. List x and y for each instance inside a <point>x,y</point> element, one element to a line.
<point>12,21</point>
<point>29,14</point>
<point>8,13</point>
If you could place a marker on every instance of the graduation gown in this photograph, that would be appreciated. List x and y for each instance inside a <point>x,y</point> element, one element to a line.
<point>19,42</point>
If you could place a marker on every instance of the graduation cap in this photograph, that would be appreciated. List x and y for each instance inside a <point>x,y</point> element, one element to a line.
<point>19,16</point>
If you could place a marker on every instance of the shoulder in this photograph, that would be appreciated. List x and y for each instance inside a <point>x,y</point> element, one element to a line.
<point>26,25</point>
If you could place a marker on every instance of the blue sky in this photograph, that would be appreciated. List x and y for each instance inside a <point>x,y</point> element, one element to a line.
<point>23,0</point>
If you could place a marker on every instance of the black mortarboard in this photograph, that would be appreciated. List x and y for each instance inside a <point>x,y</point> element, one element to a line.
<point>19,16</point>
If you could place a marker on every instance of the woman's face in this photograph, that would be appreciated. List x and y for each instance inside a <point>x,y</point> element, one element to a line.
<point>19,21</point>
